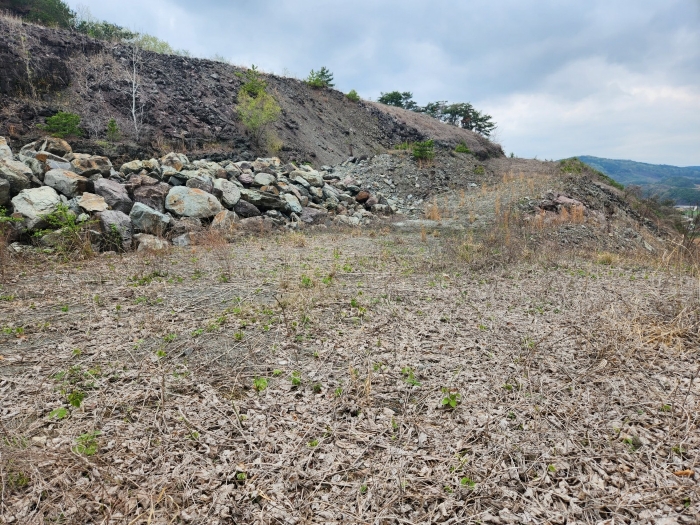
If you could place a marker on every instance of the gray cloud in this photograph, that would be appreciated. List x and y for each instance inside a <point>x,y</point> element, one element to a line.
<point>603,78</point>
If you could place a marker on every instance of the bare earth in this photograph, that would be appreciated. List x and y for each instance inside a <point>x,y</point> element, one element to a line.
<point>575,386</point>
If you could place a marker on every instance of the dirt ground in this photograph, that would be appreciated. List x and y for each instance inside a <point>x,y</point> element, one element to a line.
<point>309,378</point>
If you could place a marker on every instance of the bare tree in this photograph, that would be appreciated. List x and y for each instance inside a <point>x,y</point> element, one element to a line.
<point>133,77</point>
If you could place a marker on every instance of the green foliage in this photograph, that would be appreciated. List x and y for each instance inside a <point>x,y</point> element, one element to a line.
<point>87,443</point>
<point>63,124</point>
<point>466,482</point>
<point>75,398</point>
<point>322,78</point>
<point>397,99</point>
<point>424,150</point>
<point>409,376</point>
<point>58,413</point>
<point>451,399</point>
<point>53,13</point>
<point>306,281</point>
<point>296,378</point>
<point>113,133</point>
<point>260,384</point>
<point>353,96</point>
<point>257,113</point>
<point>313,443</point>
<point>103,30</point>
<point>254,84</point>
<point>462,148</point>
<point>576,166</point>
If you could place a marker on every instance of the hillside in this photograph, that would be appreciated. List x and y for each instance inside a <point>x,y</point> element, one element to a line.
<point>187,104</point>
<point>668,182</point>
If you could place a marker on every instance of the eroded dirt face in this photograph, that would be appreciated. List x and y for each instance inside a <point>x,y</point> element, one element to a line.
<point>301,378</point>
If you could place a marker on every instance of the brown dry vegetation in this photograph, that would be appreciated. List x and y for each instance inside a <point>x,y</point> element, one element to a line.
<point>575,372</point>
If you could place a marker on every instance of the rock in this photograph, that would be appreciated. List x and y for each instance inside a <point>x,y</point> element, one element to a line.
<point>201,182</point>
<point>17,174</point>
<point>192,202</point>
<point>347,221</point>
<point>87,165</point>
<point>362,196</point>
<point>256,224</point>
<point>148,220</point>
<point>313,216</point>
<point>33,204</point>
<point>135,166</point>
<point>293,203</point>
<point>153,196</point>
<point>317,195</point>
<point>225,221</point>
<point>5,151</point>
<point>296,176</point>
<point>51,145</point>
<point>36,167</point>
<point>371,201</point>
<point>566,201</point>
<point>246,210</point>
<point>114,194</point>
<point>186,225</point>
<point>264,179</point>
<point>230,194</point>
<point>264,200</point>
<point>246,179</point>
<point>183,240</point>
<point>263,164</point>
<point>381,209</point>
<point>313,177</point>
<point>92,203</point>
<point>66,182</point>
<point>150,243</point>
<point>243,165</point>
<point>4,193</point>
<point>177,161</point>
<point>116,228</point>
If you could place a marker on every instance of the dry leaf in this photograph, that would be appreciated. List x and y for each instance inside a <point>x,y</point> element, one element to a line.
<point>684,473</point>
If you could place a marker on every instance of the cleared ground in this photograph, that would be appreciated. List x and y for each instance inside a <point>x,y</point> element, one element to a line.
<point>573,377</point>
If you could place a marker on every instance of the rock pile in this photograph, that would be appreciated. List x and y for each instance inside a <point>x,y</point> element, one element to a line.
<point>172,198</point>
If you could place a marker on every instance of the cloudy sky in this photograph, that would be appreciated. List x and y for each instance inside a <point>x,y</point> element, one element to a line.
<point>618,79</point>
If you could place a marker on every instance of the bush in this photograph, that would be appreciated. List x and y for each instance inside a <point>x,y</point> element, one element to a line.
<point>322,78</point>
<point>63,124</point>
<point>462,148</point>
<point>399,100</point>
<point>353,96</point>
<point>424,150</point>
<point>47,12</point>
<point>73,236</point>
<point>254,83</point>
<point>257,113</point>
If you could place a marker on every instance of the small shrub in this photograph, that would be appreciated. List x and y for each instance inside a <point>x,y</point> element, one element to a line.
<point>353,96</point>
<point>260,384</point>
<point>254,84</point>
<point>322,78</point>
<point>87,443</point>
<point>451,399</point>
<point>113,133</point>
<point>257,113</point>
<point>462,148</point>
<point>424,150</point>
<point>63,124</point>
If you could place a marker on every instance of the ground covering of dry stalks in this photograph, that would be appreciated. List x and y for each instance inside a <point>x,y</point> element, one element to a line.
<point>310,378</point>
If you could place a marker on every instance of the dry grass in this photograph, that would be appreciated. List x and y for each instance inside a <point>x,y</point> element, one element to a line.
<point>578,384</point>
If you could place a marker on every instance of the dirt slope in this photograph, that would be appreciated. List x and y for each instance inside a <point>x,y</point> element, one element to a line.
<point>188,104</point>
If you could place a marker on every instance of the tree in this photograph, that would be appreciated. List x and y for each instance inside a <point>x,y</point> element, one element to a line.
<point>397,99</point>
<point>257,113</point>
<point>322,78</point>
<point>353,96</point>
<point>47,12</point>
<point>63,124</point>
<point>254,83</point>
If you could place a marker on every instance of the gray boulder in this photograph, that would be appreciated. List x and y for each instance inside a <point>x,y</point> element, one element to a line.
<point>17,174</point>
<point>114,194</point>
<point>246,210</point>
<point>176,161</point>
<point>67,183</point>
<point>192,202</point>
<point>52,145</point>
<point>153,196</point>
<point>147,220</point>
<point>264,200</point>
<point>224,221</point>
<point>5,151</point>
<point>201,182</point>
<point>230,193</point>
<point>33,204</point>
<point>87,165</point>
<point>92,203</point>
<point>313,177</point>
<point>313,216</point>
<point>292,202</point>
<point>4,193</point>
<point>150,243</point>
<point>117,231</point>
<point>264,179</point>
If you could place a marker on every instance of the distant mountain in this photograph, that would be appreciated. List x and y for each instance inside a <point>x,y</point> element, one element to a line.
<point>668,182</point>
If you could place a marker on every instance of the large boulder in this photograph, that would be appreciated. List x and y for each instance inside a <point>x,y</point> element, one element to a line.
<point>5,151</point>
<point>92,203</point>
<point>201,182</point>
<point>153,196</point>
<point>264,179</point>
<point>313,216</point>
<point>137,166</point>
<point>313,177</point>
<point>230,193</point>
<point>246,210</point>
<point>192,202</point>
<point>263,200</point>
<point>67,183</point>
<point>87,165</point>
<point>51,145</point>
<point>18,174</point>
<point>292,202</point>
<point>147,220</point>
<point>114,194</point>
<point>34,204</point>
<point>225,221</point>
<point>175,161</point>
<point>117,231</point>
<point>4,193</point>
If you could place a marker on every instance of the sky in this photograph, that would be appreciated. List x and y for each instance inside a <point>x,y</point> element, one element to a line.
<point>560,78</point>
